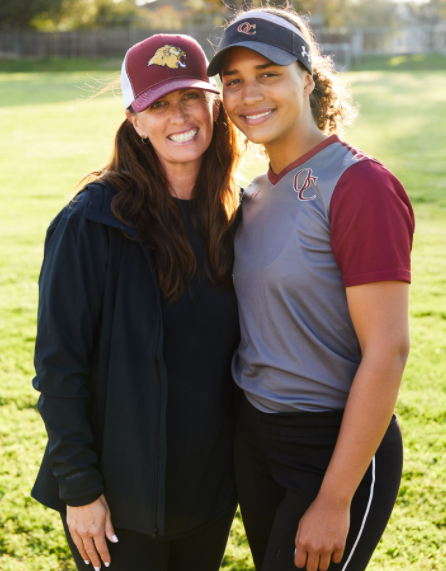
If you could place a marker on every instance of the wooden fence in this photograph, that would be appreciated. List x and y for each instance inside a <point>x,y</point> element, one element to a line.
<point>88,43</point>
<point>346,45</point>
<point>115,42</point>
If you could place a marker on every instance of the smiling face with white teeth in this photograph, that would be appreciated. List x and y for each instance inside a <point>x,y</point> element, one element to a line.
<point>269,103</point>
<point>180,127</point>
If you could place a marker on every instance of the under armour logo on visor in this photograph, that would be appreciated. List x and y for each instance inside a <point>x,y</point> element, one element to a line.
<point>246,28</point>
<point>303,180</point>
<point>305,53</point>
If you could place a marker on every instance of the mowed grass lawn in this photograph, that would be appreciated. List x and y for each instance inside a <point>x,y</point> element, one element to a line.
<point>51,135</point>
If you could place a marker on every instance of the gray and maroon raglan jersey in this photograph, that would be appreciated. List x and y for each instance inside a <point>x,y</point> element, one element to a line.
<point>333,219</point>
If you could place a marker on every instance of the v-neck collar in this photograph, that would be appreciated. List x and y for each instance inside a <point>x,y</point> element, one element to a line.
<point>275,178</point>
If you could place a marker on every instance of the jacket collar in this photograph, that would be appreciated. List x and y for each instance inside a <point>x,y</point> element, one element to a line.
<point>99,208</point>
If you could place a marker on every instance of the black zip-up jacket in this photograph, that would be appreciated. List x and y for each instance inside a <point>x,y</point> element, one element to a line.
<point>91,357</point>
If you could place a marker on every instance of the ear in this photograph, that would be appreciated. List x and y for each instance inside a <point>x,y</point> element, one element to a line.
<point>309,85</point>
<point>133,118</point>
<point>216,109</point>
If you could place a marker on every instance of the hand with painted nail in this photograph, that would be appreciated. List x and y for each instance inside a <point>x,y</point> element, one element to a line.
<point>89,526</point>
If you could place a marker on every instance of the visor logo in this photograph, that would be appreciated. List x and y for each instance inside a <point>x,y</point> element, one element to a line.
<point>247,28</point>
<point>302,181</point>
<point>305,53</point>
<point>171,56</point>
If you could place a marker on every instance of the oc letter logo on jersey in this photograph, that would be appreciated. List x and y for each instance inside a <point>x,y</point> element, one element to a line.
<point>302,181</point>
<point>171,56</point>
<point>247,28</point>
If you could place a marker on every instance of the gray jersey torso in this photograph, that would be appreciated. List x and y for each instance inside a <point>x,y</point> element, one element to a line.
<point>299,350</point>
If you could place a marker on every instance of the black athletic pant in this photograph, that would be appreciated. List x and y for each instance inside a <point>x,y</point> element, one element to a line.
<point>202,551</point>
<point>280,461</point>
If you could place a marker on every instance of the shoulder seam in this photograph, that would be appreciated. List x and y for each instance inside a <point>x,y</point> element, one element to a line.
<point>362,161</point>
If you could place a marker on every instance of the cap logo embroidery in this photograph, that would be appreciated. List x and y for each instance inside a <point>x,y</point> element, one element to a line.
<point>170,56</point>
<point>246,28</point>
<point>300,186</point>
<point>305,53</point>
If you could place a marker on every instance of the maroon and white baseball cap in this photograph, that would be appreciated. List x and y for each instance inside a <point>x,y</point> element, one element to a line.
<point>161,64</point>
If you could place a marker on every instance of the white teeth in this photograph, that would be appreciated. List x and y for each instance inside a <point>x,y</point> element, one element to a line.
<point>261,115</point>
<point>184,137</point>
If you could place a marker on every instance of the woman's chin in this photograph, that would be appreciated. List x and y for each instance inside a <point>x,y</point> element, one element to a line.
<point>187,153</point>
<point>256,135</point>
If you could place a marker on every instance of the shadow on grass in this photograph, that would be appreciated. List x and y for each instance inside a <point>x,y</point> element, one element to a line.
<point>415,62</point>
<point>29,65</point>
<point>48,87</point>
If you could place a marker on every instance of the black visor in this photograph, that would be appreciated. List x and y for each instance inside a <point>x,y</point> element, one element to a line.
<point>277,43</point>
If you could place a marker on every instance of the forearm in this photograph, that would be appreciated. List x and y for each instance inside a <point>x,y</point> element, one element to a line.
<point>368,412</point>
<point>71,450</point>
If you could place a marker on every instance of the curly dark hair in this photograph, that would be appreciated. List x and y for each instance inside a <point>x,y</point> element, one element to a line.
<point>330,101</point>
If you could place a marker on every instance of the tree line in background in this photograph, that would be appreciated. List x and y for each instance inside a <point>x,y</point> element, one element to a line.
<point>48,15</point>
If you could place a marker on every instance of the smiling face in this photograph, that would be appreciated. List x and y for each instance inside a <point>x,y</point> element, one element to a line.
<point>269,103</point>
<point>179,126</point>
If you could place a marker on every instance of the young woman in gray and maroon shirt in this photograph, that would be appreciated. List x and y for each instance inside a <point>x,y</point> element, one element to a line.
<point>322,272</point>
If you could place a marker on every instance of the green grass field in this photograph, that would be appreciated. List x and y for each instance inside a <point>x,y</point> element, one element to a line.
<point>52,135</point>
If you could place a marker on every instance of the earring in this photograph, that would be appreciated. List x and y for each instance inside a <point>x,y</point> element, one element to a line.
<point>144,139</point>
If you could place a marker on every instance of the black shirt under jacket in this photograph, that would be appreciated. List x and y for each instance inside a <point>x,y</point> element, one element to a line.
<point>201,334</point>
<point>100,368</point>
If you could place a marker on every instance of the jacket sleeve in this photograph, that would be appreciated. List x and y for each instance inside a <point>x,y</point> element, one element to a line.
<point>71,288</point>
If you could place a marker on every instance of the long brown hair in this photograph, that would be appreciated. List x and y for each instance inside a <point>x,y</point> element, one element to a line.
<point>330,101</point>
<point>142,199</point>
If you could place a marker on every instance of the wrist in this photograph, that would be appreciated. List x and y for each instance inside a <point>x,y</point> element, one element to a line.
<point>83,501</point>
<point>335,495</point>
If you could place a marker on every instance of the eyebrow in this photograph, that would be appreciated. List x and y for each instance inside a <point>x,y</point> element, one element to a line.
<point>183,90</point>
<point>262,66</point>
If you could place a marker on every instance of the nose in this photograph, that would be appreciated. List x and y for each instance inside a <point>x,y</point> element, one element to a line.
<point>252,93</point>
<point>179,113</point>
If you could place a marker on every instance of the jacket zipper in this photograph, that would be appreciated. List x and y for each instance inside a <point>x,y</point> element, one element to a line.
<point>155,530</point>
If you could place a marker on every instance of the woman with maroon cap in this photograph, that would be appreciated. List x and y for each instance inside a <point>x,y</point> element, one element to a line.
<point>137,326</point>
<point>322,272</point>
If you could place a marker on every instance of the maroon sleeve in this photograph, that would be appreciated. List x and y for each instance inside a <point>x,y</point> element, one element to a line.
<point>372,225</point>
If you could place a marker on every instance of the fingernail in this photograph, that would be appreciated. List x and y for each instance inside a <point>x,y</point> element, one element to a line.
<point>115,539</point>
<point>107,564</point>
<point>97,569</point>
<point>86,562</point>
